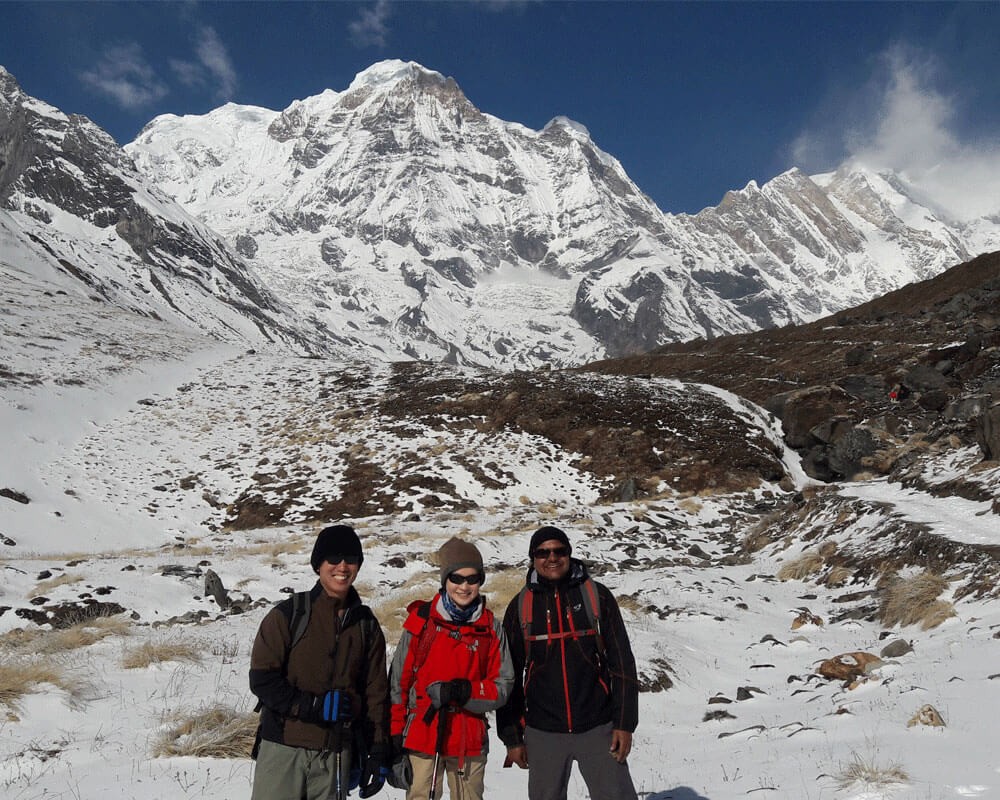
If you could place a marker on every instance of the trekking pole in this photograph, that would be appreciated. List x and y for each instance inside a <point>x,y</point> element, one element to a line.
<point>338,762</point>
<point>439,746</point>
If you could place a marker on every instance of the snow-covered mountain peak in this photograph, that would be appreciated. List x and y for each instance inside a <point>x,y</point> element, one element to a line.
<point>392,71</point>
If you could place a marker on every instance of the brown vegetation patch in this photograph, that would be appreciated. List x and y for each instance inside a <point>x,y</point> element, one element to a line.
<point>216,732</point>
<point>623,430</point>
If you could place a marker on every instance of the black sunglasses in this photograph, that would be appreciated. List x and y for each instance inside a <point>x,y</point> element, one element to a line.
<point>458,580</point>
<point>336,558</point>
<point>545,552</point>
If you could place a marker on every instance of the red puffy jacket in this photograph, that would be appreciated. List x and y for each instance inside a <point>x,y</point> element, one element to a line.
<point>434,648</point>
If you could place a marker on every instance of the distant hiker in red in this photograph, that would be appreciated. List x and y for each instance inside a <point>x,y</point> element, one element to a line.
<point>452,665</point>
<point>575,695</point>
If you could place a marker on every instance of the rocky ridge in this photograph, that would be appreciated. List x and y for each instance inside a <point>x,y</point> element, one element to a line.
<point>421,227</point>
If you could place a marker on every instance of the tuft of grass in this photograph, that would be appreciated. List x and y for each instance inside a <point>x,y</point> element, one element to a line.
<point>214,732</point>
<point>868,773</point>
<point>22,676</point>
<point>45,586</point>
<point>802,567</point>
<point>82,634</point>
<point>838,576</point>
<point>908,601</point>
<point>149,653</point>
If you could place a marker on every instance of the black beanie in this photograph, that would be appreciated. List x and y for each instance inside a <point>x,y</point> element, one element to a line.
<point>335,540</point>
<point>545,534</point>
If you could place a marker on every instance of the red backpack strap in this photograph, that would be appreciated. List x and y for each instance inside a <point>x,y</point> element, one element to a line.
<point>525,606</point>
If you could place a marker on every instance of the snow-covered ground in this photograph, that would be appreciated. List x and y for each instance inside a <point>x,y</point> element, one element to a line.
<point>103,438</point>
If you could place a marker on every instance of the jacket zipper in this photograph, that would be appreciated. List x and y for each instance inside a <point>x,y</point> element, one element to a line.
<point>562,652</point>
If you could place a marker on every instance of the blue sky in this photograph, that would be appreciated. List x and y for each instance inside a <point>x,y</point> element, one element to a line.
<point>693,98</point>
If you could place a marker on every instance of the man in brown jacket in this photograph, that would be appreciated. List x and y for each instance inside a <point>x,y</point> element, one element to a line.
<point>318,669</point>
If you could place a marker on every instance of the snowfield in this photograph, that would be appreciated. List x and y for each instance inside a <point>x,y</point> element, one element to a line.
<point>130,439</point>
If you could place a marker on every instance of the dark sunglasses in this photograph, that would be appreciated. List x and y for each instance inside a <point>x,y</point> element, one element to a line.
<point>458,580</point>
<point>545,552</point>
<point>336,558</point>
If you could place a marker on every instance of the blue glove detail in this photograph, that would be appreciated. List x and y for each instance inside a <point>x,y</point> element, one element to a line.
<point>336,706</point>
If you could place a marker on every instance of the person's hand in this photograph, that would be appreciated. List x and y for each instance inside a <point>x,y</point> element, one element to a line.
<point>443,693</point>
<point>374,771</point>
<point>328,708</point>
<point>621,745</point>
<point>458,691</point>
<point>517,755</point>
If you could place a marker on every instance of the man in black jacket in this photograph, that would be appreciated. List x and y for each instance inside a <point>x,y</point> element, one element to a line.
<point>575,694</point>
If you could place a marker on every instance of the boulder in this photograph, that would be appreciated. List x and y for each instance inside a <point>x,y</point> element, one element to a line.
<point>803,410</point>
<point>924,379</point>
<point>849,666</point>
<point>988,432</point>
<point>927,715</point>
<point>895,649</point>
<point>848,454</point>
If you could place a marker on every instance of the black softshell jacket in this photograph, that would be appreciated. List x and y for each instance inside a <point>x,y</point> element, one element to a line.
<point>566,685</point>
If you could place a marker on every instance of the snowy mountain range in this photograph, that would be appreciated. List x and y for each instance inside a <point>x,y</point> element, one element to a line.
<point>397,219</point>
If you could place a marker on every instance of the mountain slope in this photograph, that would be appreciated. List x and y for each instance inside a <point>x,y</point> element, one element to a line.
<point>398,210</point>
<point>76,211</point>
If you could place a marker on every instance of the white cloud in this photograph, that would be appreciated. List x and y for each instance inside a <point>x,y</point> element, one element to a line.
<point>370,27</point>
<point>124,75</point>
<point>903,123</point>
<point>212,66</point>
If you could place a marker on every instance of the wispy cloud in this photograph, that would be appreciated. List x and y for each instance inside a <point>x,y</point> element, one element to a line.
<point>909,126</point>
<point>123,75</point>
<point>211,66</point>
<point>370,28</point>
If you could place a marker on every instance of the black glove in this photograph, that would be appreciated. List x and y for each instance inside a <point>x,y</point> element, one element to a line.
<point>324,709</point>
<point>396,750</point>
<point>401,776</point>
<point>457,691</point>
<point>374,771</point>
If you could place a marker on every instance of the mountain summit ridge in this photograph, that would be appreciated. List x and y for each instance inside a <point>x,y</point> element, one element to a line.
<point>399,211</point>
<point>396,219</point>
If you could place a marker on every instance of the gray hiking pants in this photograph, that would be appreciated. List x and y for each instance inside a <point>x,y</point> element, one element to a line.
<point>296,773</point>
<point>551,757</point>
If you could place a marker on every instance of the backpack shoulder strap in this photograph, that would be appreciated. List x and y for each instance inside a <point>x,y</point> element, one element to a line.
<point>592,604</point>
<point>524,612</point>
<point>301,607</point>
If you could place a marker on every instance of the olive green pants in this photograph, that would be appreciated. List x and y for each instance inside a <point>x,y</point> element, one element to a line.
<point>296,773</point>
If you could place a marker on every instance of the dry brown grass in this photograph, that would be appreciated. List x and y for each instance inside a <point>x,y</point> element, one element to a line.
<point>45,586</point>
<point>391,612</point>
<point>838,576</point>
<point>908,601</point>
<point>83,634</point>
<point>149,653</point>
<point>22,676</point>
<point>501,587</point>
<point>808,563</point>
<point>866,772</point>
<point>52,642</point>
<point>936,613</point>
<point>216,732</point>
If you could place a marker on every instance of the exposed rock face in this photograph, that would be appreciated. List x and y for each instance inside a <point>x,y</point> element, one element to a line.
<point>564,259</point>
<point>71,194</point>
<point>988,431</point>
<point>866,390</point>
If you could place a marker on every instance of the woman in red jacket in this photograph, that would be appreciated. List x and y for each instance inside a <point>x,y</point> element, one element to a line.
<point>451,666</point>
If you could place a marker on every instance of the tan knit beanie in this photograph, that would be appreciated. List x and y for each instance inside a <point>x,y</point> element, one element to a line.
<point>458,554</point>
